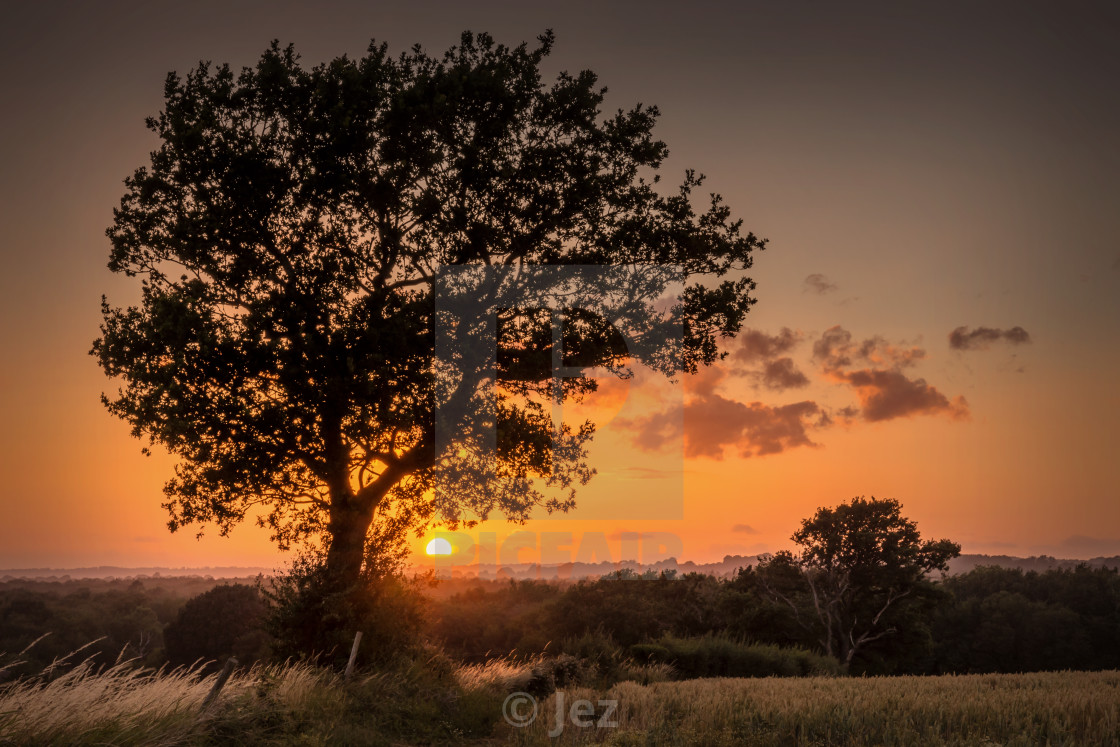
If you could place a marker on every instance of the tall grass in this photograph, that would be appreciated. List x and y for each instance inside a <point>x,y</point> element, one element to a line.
<point>124,704</point>
<point>497,674</point>
<point>1054,708</point>
<point>436,702</point>
<point>425,701</point>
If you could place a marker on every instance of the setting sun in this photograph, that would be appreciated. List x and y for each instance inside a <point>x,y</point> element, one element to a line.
<point>438,546</point>
<point>752,381</point>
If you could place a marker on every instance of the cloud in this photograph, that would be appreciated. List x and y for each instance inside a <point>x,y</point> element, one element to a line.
<point>744,529</point>
<point>777,372</point>
<point>818,283</point>
<point>705,380</point>
<point>782,374</point>
<point>884,391</point>
<point>836,350</point>
<point>656,431</point>
<point>714,422</point>
<point>711,423</point>
<point>982,338</point>
<point>885,395</point>
<point>755,345</point>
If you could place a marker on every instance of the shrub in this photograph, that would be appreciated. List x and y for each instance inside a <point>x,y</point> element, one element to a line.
<point>225,621</point>
<point>311,619</point>
<point>720,656</point>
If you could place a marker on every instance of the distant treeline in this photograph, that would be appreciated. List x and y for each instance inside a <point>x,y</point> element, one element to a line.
<point>102,618</point>
<point>115,576</point>
<point>990,619</point>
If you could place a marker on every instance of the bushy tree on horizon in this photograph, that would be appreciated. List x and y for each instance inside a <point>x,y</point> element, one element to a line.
<point>861,572</point>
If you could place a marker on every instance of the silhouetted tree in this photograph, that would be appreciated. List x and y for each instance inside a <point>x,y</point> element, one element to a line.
<point>290,232</point>
<point>861,570</point>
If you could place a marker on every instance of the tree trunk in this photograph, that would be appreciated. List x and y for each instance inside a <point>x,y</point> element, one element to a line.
<point>347,529</point>
<point>846,651</point>
<point>351,514</point>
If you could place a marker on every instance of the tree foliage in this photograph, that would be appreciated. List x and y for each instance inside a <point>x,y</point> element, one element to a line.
<point>290,233</point>
<point>1008,620</point>
<point>862,571</point>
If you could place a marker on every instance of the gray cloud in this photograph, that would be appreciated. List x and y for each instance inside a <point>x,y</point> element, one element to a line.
<point>777,372</point>
<point>655,431</point>
<point>711,423</point>
<point>714,423</point>
<point>818,283</point>
<point>744,529</point>
<point>885,395</point>
<point>982,338</point>
<point>782,374</point>
<point>755,345</point>
<point>836,350</point>
<point>884,391</point>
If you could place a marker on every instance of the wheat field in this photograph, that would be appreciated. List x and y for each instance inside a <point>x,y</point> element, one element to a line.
<point>308,705</point>
<point>1057,708</point>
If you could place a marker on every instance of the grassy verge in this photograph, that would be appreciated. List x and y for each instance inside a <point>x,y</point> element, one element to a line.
<point>298,704</point>
<point>435,702</point>
<point>1058,708</point>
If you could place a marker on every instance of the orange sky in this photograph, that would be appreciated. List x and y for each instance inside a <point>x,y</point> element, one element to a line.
<point>915,172</point>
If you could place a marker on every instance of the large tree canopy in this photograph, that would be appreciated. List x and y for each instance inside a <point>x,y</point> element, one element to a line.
<point>862,568</point>
<point>291,233</point>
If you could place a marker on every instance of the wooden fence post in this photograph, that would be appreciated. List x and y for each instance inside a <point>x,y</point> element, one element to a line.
<point>353,655</point>
<point>227,670</point>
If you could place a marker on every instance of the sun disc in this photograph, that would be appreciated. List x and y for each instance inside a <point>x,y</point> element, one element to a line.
<point>439,546</point>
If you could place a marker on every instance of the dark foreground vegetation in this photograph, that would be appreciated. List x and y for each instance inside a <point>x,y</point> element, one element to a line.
<point>438,661</point>
<point>988,620</point>
<point>864,594</point>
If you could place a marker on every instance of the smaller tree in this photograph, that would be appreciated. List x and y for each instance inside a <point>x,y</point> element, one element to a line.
<point>862,570</point>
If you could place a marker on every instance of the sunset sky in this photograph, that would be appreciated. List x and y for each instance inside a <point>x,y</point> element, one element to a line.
<point>939,307</point>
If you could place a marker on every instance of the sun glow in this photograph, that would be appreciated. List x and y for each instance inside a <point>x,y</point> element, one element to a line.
<point>438,546</point>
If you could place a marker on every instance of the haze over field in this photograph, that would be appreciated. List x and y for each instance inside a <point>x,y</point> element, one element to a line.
<point>939,308</point>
